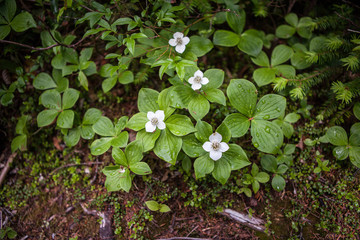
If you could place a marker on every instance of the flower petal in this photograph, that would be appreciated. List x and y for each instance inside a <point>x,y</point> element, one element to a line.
<point>204,81</point>
<point>160,115</point>
<point>215,137</point>
<point>149,127</point>
<point>215,155</point>
<point>172,42</point>
<point>178,35</point>
<point>207,146</point>
<point>186,40</point>
<point>161,125</point>
<point>198,73</point>
<point>191,80</point>
<point>180,48</point>
<point>223,147</point>
<point>151,115</point>
<point>196,86</point>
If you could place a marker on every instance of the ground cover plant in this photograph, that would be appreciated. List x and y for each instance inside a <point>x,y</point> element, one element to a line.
<point>148,119</point>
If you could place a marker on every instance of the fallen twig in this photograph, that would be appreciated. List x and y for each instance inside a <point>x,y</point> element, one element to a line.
<point>7,167</point>
<point>253,222</point>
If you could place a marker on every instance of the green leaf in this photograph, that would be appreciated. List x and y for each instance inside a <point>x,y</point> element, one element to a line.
<point>179,125</point>
<point>138,121</point>
<point>236,157</point>
<point>278,183</point>
<point>289,149</point>
<point>269,163</point>
<point>119,157</point>
<point>266,136</point>
<point>304,27</point>
<point>87,132</point>
<point>292,117</point>
<point>242,95</point>
<point>140,168</point>
<point>4,31</point>
<point>224,132</point>
<point>85,55</point>
<point>250,45</point>
<point>269,107</point>
<point>216,78</point>
<point>164,208</point>
<point>120,124</point>
<point>355,128</point>
<point>285,31</point>
<point>226,38</point>
<point>236,20</point>
<point>185,162</point>
<point>357,110</point>
<point>354,154</point>
<point>337,136</point>
<point>354,139</point>
<point>126,77</point>
<point>292,19</point>
<point>262,177</point>
<point>181,96</point>
<point>21,124</point>
<point>192,146</point>
<point>204,130</point>
<point>281,54</point>
<point>8,9</point>
<point>46,117</point>
<point>285,71</point>
<point>215,96</point>
<point>23,22</point>
<point>153,205</point>
<point>222,171</point>
<point>133,152</point>
<point>43,81</point>
<point>104,127</point>
<point>287,129</point>
<point>83,80</point>
<point>148,139</point>
<point>147,100</point>
<point>121,140</point>
<point>100,146</point>
<point>264,76</point>
<point>109,83</point>
<point>66,119</point>
<point>198,107</point>
<point>199,46</point>
<point>51,99</point>
<point>261,60</point>
<point>91,116</point>
<point>116,180</point>
<point>282,169</point>
<point>72,138</point>
<point>255,186</point>
<point>298,60</point>
<point>70,97</point>
<point>238,124</point>
<point>203,165</point>
<point>168,146</point>
<point>19,142</point>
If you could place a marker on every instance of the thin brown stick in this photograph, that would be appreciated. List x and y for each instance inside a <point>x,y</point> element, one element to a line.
<point>184,238</point>
<point>76,164</point>
<point>7,167</point>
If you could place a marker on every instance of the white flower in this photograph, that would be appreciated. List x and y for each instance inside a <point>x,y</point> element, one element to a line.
<point>215,146</point>
<point>179,41</point>
<point>155,120</point>
<point>198,80</point>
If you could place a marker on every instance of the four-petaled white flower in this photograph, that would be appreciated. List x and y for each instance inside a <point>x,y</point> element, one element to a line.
<point>179,41</point>
<point>215,146</point>
<point>155,120</point>
<point>198,80</point>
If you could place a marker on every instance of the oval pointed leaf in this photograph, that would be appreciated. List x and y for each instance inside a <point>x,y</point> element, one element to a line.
<point>236,20</point>
<point>192,146</point>
<point>133,152</point>
<point>216,78</point>
<point>168,146</point>
<point>285,31</point>
<point>266,136</point>
<point>180,125</point>
<point>243,96</point>
<point>23,22</point>
<point>70,97</point>
<point>148,139</point>
<point>204,130</point>
<point>104,127</point>
<point>147,100</point>
<point>66,119</point>
<point>226,38</point>
<point>43,81</point>
<point>46,117</point>
<point>222,170</point>
<point>269,163</point>
<point>270,106</point>
<point>278,183</point>
<point>337,136</point>
<point>281,54</point>
<point>91,116</point>
<point>199,107</point>
<point>341,152</point>
<point>238,124</point>
<point>264,76</point>
<point>73,137</point>
<point>357,110</point>
<point>236,157</point>
<point>354,154</point>
<point>51,99</point>
<point>138,121</point>
<point>250,44</point>
<point>100,146</point>
<point>203,165</point>
<point>140,168</point>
